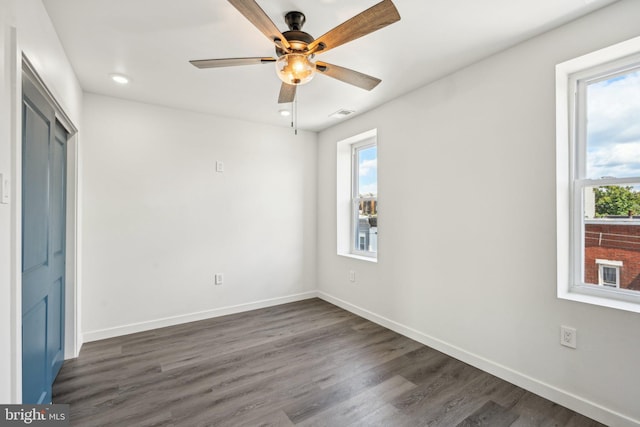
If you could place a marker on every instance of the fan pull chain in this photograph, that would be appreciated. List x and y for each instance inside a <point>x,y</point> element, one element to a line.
<point>294,115</point>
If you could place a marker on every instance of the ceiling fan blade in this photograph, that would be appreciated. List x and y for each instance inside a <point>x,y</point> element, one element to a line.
<point>348,76</point>
<point>372,19</point>
<point>230,62</point>
<point>254,13</point>
<point>287,93</point>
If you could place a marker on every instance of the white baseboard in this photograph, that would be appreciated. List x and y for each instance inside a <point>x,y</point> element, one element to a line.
<point>548,391</point>
<point>191,317</point>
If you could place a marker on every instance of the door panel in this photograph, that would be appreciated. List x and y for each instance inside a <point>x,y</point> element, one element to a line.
<point>55,329</point>
<point>58,173</point>
<point>43,243</point>
<point>35,221</point>
<point>34,366</point>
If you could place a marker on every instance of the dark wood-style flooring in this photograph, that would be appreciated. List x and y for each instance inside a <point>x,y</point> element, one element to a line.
<point>307,363</point>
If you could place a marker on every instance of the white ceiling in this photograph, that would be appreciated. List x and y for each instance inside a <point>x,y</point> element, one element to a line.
<point>151,41</point>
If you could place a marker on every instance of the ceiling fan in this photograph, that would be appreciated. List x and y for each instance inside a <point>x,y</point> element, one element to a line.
<point>295,49</point>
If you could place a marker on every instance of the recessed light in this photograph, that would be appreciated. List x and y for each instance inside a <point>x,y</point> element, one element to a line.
<point>119,78</point>
<point>284,113</point>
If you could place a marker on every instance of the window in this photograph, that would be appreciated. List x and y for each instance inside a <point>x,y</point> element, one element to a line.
<point>364,198</point>
<point>357,196</point>
<point>609,273</point>
<point>598,177</point>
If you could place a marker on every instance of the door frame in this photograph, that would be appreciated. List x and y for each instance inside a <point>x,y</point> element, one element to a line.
<point>73,336</point>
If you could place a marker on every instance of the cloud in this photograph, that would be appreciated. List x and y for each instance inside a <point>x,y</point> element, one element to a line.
<point>371,188</point>
<point>368,181</point>
<point>613,129</point>
<point>368,167</point>
<point>616,160</point>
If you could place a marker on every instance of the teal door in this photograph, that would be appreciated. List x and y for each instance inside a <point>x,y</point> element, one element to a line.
<point>43,245</point>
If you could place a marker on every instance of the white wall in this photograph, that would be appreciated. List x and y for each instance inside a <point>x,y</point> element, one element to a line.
<point>6,318</point>
<point>25,28</point>
<point>38,41</point>
<point>467,226</point>
<point>159,221</point>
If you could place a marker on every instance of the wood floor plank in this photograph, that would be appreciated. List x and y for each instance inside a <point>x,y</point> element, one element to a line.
<point>490,415</point>
<point>274,419</point>
<point>322,398</point>
<point>307,363</point>
<point>385,416</point>
<point>359,406</point>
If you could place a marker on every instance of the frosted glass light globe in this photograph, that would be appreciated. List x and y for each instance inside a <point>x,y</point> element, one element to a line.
<point>295,68</point>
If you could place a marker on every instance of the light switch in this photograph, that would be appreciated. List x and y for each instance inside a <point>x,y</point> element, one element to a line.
<point>219,166</point>
<point>4,189</point>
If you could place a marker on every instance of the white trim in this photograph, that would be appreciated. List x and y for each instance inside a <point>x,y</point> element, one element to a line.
<point>360,257</point>
<point>132,328</point>
<point>563,397</point>
<point>609,263</point>
<point>613,221</point>
<point>608,54</point>
<point>372,133</point>
<point>72,334</point>
<point>15,74</point>
<point>61,115</point>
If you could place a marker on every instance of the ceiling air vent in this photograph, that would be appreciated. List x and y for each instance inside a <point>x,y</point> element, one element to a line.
<point>341,114</point>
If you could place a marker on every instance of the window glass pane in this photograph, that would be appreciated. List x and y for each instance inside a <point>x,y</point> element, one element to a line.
<point>613,126</point>
<point>365,200</point>
<point>368,172</point>
<point>612,233</point>
<point>612,202</point>
<point>609,275</point>
<point>367,233</point>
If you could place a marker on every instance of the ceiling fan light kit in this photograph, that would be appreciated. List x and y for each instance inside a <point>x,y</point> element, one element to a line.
<point>295,68</point>
<point>295,49</point>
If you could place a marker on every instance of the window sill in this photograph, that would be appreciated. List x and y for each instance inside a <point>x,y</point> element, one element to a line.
<point>360,257</point>
<point>595,297</point>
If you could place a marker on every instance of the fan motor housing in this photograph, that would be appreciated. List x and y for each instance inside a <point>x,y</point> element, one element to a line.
<point>295,20</point>
<point>297,38</point>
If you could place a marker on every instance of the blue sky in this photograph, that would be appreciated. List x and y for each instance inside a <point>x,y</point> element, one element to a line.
<point>613,141</point>
<point>368,167</point>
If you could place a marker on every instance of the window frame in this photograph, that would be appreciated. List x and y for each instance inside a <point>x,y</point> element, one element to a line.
<point>356,199</point>
<point>572,80</point>
<point>344,195</point>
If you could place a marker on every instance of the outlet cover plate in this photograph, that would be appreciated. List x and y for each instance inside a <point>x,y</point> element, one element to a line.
<point>568,336</point>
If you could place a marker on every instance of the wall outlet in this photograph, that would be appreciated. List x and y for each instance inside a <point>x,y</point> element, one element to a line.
<point>219,279</point>
<point>568,336</point>
<point>352,276</point>
<point>219,166</point>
